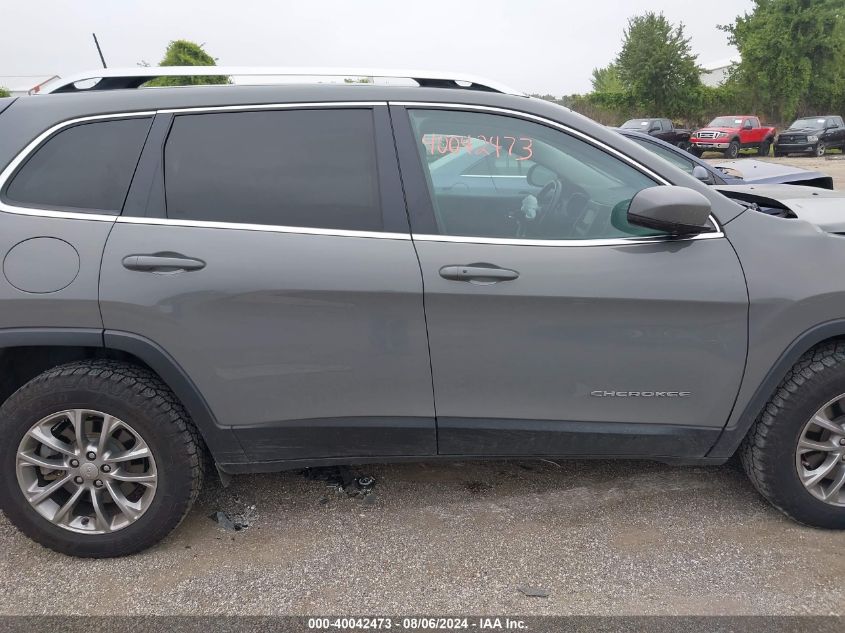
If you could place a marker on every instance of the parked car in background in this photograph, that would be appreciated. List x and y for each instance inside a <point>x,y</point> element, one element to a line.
<point>663,129</point>
<point>812,135</point>
<point>729,134</point>
<point>748,171</point>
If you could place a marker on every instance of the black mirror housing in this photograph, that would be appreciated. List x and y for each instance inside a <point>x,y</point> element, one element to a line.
<point>675,210</point>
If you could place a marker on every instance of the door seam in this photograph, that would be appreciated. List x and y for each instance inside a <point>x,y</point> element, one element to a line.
<point>422,282</point>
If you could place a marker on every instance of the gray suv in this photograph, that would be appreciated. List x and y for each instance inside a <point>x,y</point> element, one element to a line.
<point>285,276</point>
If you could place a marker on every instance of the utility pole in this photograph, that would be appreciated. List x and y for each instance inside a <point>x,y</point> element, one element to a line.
<point>99,50</point>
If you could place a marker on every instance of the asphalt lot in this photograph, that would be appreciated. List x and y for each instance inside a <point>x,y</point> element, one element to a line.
<point>601,537</point>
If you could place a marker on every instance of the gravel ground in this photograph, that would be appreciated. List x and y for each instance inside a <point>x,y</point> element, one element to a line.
<point>601,537</point>
<point>605,538</point>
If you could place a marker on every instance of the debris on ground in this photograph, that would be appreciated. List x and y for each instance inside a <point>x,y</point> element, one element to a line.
<point>342,480</point>
<point>235,521</point>
<point>478,487</point>
<point>532,592</point>
<point>222,519</point>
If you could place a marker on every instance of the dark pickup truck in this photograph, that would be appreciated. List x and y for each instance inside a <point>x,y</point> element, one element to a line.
<point>663,129</point>
<point>813,134</point>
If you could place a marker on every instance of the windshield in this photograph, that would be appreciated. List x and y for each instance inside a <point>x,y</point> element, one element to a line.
<point>636,124</point>
<point>725,121</point>
<point>809,122</point>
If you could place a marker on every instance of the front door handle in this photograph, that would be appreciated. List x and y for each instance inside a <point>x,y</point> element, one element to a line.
<point>169,263</point>
<point>478,273</point>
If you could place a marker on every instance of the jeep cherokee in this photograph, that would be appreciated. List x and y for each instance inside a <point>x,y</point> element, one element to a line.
<point>285,276</point>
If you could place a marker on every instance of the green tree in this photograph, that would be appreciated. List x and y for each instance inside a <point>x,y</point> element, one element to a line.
<point>4,92</point>
<point>607,79</point>
<point>656,65</point>
<point>793,54</point>
<point>186,53</point>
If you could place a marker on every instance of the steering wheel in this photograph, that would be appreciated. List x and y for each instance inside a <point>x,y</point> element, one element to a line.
<point>549,199</point>
<point>560,214</point>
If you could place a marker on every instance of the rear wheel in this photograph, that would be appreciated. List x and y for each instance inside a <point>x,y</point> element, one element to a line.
<point>100,459</point>
<point>695,151</point>
<point>765,147</point>
<point>795,451</point>
<point>733,150</point>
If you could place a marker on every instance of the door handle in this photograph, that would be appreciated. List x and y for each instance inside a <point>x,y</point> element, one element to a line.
<point>162,263</point>
<point>478,273</point>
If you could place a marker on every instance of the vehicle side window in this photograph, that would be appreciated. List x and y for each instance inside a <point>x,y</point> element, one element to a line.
<point>306,168</point>
<point>571,190</point>
<point>838,121</point>
<point>86,167</point>
<point>755,123</point>
<point>667,154</point>
<point>667,125</point>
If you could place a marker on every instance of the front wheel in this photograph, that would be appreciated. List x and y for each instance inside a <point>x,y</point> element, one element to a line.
<point>820,149</point>
<point>100,459</point>
<point>795,451</point>
<point>733,150</point>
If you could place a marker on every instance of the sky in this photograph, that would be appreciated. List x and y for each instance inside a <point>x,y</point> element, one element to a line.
<point>537,47</point>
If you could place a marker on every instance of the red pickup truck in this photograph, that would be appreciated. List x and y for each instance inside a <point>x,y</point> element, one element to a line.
<point>729,134</point>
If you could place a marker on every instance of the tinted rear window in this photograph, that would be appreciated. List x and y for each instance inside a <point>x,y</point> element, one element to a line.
<point>308,168</point>
<point>86,167</point>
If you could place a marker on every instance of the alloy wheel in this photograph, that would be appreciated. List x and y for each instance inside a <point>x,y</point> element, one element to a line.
<point>86,471</point>
<point>820,454</point>
<point>820,149</point>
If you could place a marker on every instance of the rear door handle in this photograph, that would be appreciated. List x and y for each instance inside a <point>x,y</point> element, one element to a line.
<point>475,273</point>
<point>162,263</point>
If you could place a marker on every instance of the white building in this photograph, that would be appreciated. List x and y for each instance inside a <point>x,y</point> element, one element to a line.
<point>716,73</point>
<point>20,85</point>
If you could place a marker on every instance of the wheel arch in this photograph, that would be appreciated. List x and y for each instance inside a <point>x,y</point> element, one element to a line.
<point>739,424</point>
<point>26,352</point>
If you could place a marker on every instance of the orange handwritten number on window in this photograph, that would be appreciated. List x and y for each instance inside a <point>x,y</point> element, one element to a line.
<point>526,148</point>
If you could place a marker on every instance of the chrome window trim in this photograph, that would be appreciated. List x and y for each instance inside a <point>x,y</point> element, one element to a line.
<point>718,233</point>
<point>101,217</point>
<point>270,228</point>
<point>27,151</point>
<point>617,241</point>
<point>266,228</point>
<point>272,106</point>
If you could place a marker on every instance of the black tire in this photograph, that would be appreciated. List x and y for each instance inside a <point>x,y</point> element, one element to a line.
<point>733,150</point>
<point>765,147</point>
<point>695,152</point>
<point>819,149</point>
<point>778,154</point>
<point>768,451</point>
<point>132,394</point>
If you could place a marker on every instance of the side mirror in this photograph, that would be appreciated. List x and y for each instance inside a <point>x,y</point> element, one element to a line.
<point>675,210</point>
<point>539,176</point>
<point>700,173</point>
